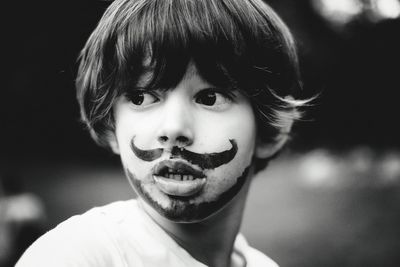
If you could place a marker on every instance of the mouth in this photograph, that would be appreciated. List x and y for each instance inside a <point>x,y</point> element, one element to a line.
<point>179,179</point>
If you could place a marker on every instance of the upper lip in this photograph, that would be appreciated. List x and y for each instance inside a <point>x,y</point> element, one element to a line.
<point>176,167</point>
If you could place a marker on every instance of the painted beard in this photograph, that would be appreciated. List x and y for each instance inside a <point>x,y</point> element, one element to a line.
<point>181,209</point>
<point>181,200</point>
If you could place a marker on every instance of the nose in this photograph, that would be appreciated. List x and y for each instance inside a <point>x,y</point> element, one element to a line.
<point>176,127</point>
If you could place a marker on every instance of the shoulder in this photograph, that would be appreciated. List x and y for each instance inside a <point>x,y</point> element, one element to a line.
<point>257,258</point>
<point>82,240</point>
<point>254,257</point>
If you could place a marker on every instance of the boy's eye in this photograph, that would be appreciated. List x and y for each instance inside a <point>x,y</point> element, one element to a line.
<point>212,98</point>
<point>141,98</point>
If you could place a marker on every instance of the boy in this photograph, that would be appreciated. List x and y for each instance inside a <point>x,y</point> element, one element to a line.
<point>195,98</point>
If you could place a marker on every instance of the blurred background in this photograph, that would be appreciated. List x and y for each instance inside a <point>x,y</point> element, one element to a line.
<point>332,199</point>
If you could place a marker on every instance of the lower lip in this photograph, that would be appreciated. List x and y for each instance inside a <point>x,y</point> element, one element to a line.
<point>179,188</point>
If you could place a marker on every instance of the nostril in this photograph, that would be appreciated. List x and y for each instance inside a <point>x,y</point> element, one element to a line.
<point>182,139</point>
<point>179,140</point>
<point>163,139</point>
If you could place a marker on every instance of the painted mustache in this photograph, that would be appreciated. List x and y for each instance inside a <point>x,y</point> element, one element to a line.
<point>204,161</point>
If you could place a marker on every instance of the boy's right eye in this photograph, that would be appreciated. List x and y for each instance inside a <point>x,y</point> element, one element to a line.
<point>141,98</point>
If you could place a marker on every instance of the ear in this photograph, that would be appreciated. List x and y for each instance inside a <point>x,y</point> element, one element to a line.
<point>266,150</point>
<point>113,143</point>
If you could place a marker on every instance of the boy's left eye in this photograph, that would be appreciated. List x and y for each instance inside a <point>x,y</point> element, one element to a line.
<point>213,99</point>
<point>141,98</point>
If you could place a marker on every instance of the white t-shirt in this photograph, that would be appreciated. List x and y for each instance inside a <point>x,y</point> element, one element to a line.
<point>121,235</point>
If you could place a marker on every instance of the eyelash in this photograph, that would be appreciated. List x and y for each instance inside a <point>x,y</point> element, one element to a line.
<point>133,92</point>
<point>230,95</point>
<point>225,93</point>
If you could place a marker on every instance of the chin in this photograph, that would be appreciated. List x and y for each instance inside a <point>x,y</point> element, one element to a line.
<point>182,209</point>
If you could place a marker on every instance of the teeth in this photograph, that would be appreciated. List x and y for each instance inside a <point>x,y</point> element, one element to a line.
<point>180,177</point>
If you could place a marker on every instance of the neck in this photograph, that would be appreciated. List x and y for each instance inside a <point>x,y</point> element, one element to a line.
<point>211,240</point>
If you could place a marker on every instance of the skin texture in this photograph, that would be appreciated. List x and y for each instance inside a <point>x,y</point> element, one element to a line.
<point>194,116</point>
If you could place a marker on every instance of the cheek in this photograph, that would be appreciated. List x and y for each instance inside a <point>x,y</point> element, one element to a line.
<point>239,125</point>
<point>215,131</point>
<point>139,169</point>
<point>147,188</point>
<point>129,123</point>
<point>242,128</point>
<point>225,177</point>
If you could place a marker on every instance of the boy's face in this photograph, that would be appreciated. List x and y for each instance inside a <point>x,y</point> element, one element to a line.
<point>186,151</point>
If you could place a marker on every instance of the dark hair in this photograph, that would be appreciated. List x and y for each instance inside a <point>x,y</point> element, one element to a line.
<point>240,44</point>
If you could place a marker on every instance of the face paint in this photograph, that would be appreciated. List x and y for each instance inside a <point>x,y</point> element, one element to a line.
<point>204,161</point>
<point>146,155</point>
<point>207,161</point>
<point>183,209</point>
<point>186,184</point>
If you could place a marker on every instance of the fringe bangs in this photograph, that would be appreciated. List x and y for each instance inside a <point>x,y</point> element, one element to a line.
<point>241,45</point>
